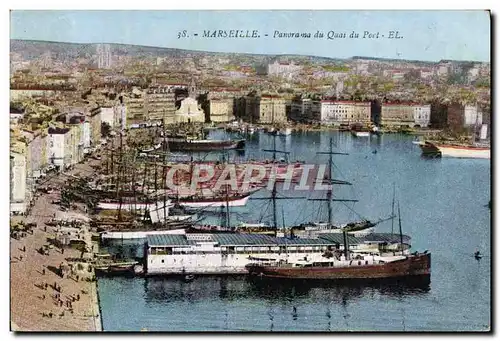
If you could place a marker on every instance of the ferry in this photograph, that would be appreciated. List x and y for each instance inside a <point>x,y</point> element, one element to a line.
<point>230,253</point>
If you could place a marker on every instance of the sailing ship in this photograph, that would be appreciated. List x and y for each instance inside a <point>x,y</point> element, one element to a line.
<point>361,227</point>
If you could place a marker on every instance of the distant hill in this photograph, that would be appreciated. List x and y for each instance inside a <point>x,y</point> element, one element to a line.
<point>31,49</point>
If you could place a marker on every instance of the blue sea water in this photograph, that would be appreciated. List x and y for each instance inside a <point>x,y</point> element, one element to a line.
<point>443,208</point>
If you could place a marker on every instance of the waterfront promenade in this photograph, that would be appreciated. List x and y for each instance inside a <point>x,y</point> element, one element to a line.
<point>35,304</point>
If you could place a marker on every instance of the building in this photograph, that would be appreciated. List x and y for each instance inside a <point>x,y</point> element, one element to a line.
<point>422,115</point>
<point>265,109</point>
<point>95,127</point>
<point>16,116</point>
<point>305,110</point>
<point>160,104</point>
<point>60,147</point>
<point>77,131</point>
<point>157,103</point>
<point>221,110</point>
<point>443,69</point>
<point>460,117</point>
<point>345,112</point>
<point>224,104</point>
<point>35,161</point>
<point>426,73</point>
<point>135,107</point>
<point>103,56</point>
<point>283,69</point>
<point>18,202</point>
<point>190,110</point>
<point>397,114</point>
<point>109,115</point>
<point>272,109</point>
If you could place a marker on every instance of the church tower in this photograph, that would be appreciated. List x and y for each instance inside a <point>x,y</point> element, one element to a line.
<point>192,89</point>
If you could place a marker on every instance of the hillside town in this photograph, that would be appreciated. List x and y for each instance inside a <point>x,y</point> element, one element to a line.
<point>65,107</point>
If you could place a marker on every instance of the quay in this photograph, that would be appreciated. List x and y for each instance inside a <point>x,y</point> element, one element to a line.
<point>51,288</point>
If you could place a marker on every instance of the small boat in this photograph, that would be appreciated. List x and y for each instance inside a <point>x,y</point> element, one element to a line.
<point>359,131</point>
<point>188,278</point>
<point>478,255</point>
<point>375,131</point>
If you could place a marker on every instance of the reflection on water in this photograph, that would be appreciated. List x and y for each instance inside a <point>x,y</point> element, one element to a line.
<point>244,287</point>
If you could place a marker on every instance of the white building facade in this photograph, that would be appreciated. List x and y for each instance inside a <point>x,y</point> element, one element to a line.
<point>345,112</point>
<point>59,147</point>
<point>18,183</point>
<point>422,115</point>
<point>472,116</point>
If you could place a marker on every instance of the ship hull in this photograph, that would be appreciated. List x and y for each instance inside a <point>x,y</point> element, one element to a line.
<point>215,203</point>
<point>205,145</point>
<point>130,206</point>
<point>428,148</point>
<point>464,152</point>
<point>418,265</point>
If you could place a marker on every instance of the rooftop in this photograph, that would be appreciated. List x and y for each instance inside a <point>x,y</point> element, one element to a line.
<point>238,239</point>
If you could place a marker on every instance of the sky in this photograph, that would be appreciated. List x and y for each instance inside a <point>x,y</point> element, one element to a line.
<point>427,35</point>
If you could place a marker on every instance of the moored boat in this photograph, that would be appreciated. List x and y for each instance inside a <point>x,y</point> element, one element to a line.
<point>359,130</point>
<point>363,268</point>
<point>360,133</point>
<point>237,199</point>
<point>466,151</point>
<point>181,143</point>
<point>472,151</point>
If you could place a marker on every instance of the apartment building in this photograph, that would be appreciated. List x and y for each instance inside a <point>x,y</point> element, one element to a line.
<point>221,110</point>
<point>335,113</point>
<point>398,114</point>
<point>305,110</point>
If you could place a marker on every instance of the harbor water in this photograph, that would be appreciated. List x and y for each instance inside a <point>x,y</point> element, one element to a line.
<point>444,208</point>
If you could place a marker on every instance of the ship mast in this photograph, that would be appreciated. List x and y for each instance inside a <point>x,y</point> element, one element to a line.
<point>274,191</point>
<point>145,193</point>
<point>393,200</point>
<point>118,183</point>
<point>400,230</point>
<point>330,199</point>
<point>164,176</point>
<point>133,184</point>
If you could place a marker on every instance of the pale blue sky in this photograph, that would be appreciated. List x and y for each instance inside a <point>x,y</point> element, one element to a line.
<point>428,35</point>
